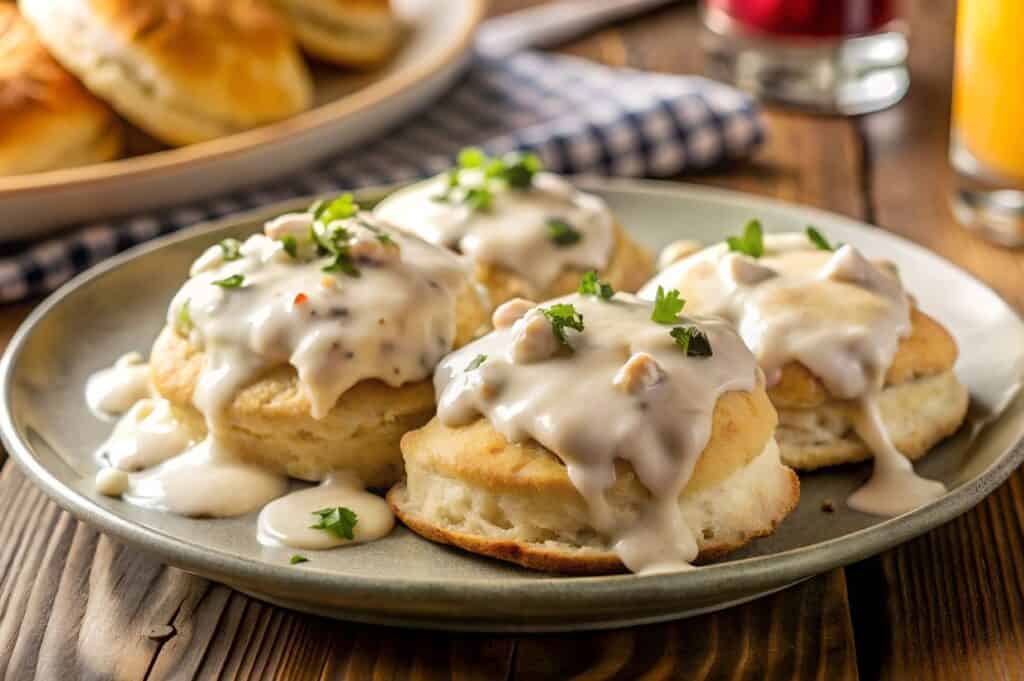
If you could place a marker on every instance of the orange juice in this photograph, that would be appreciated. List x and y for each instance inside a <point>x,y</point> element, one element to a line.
<point>988,89</point>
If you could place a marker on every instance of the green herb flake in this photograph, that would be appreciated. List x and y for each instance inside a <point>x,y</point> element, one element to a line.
<point>291,246</point>
<point>667,306</point>
<point>234,281</point>
<point>184,319</point>
<point>384,238</point>
<point>471,157</point>
<point>230,248</point>
<point>340,208</point>
<point>751,242</point>
<point>691,341</point>
<point>590,285</point>
<point>819,240</point>
<point>339,521</point>
<point>479,198</point>
<point>563,316</point>
<point>343,263</point>
<point>561,233</point>
<point>475,364</point>
<point>296,559</point>
<point>520,169</point>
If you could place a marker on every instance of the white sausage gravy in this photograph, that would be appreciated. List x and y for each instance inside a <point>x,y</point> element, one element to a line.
<point>342,298</point>
<point>622,388</point>
<point>536,231</point>
<point>837,313</point>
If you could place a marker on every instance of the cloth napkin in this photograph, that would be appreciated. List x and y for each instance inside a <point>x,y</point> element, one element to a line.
<point>579,117</point>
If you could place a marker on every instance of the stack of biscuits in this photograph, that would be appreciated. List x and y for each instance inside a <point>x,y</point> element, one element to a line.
<point>73,73</point>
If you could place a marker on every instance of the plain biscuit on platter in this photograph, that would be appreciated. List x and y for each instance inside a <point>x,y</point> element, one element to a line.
<point>271,423</point>
<point>356,33</point>
<point>48,120</point>
<point>469,487</point>
<point>184,71</point>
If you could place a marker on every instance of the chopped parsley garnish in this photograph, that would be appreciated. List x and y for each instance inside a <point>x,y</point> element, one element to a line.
<point>342,263</point>
<point>234,281</point>
<point>819,240</point>
<point>339,521</point>
<point>384,238</point>
<point>590,285</point>
<point>692,341</point>
<point>561,233</point>
<point>341,208</point>
<point>475,364</point>
<point>333,241</point>
<point>563,316</point>
<point>751,242</point>
<point>291,246</point>
<point>667,306</point>
<point>515,170</point>
<point>230,248</point>
<point>296,559</point>
<point>184,319</point>
<point>518,169</point>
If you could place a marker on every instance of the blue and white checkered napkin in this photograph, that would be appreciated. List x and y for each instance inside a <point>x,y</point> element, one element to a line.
<point>579,117</point>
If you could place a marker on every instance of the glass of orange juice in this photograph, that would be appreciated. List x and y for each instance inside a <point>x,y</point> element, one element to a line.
<point>987,146</point>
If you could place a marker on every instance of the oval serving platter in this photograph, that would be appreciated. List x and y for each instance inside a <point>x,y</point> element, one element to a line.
<point>350,108</point>
<point>404,580</point>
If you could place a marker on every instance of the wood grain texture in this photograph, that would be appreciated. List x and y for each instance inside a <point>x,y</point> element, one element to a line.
<point>949,605</point>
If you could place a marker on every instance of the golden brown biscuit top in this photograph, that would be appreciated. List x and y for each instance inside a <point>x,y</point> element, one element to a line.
<point>235,58</point>
<point>29,77</point>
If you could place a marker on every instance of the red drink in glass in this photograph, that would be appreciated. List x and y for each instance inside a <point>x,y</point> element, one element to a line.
<point>810,18</point>
<point>831,56</point>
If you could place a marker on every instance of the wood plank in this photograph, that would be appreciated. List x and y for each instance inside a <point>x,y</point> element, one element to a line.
<point>949,605</point>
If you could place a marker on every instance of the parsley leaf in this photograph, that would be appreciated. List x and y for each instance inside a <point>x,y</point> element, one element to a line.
<point>667,306</point>
<point>296,559</point>
<point>291,246</point>
<point>563,316</point>
<point>520,169</point>
<point>230,248</point>
<point>343,263</point>
<point>234,281</point>
<point>475,364</point>
<point>339,521</point>
<point>752,241</point>
<point>516,170</point>
<point>819,240</point>
<point>341,208</point>
<point>561,233</point>
<point>184,319</point>
<point>590,285</point>
<point>691,341</point>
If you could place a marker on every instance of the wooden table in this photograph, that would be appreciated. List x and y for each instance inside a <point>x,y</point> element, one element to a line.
<point>77,605</point>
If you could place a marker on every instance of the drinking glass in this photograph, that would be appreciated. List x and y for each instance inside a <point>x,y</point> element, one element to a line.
<point>830,56</point>
<point>987,140</point>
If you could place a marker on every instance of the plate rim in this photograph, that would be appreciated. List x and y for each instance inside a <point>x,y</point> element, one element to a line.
<point>661,592</point>
<point>179,158</point>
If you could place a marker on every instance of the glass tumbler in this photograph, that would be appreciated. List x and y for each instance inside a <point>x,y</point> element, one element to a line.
<point>987,140</point>
<point>829,56</point>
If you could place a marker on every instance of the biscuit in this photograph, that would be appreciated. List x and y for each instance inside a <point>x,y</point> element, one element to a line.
<point>356,33</point>
<point>184,71</point>
<point>469,487</point>
<point>48,120</point>
<point>269,421</point>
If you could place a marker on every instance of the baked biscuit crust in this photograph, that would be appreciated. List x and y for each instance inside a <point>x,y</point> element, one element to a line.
<point>469,487</point>
<point>48,120</point>
<point>270,420</point>
<point>630,265</point>
<point>183,70</point>
<point>356,33</point>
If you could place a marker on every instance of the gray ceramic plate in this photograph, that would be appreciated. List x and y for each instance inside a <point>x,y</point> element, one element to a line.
<point>403,579</point>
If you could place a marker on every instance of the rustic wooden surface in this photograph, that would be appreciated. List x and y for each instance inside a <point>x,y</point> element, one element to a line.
<point>77,605</point>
